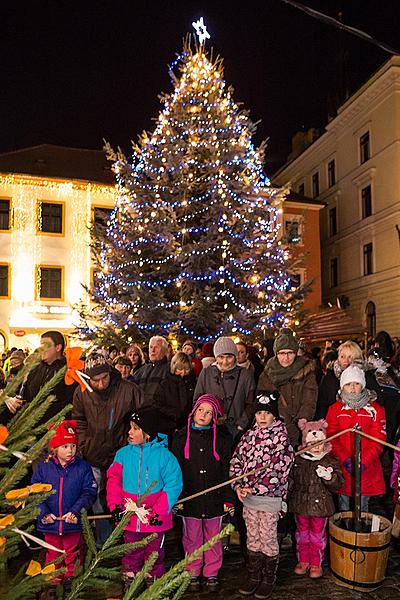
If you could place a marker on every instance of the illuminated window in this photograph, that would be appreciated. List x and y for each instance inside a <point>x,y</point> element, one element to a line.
<point>4,281</point>
<point>52,217</point>
<point>293,229</point>
<point>51,282</point>
<point>5,209</point>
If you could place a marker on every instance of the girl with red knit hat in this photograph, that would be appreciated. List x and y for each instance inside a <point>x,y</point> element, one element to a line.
<point>60,514</point>
<point>203,450</point>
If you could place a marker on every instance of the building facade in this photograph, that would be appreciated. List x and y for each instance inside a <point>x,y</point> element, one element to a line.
<point>49,199</point>
<point>354,168</point>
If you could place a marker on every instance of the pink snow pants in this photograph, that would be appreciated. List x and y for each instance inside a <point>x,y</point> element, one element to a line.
<point>71,544</point>
<point>311,539</point>
<point>262,535</point>
<point>195,533</point>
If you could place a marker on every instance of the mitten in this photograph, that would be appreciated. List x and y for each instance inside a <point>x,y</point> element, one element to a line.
<point>117,515</point>
<point>324,473</point>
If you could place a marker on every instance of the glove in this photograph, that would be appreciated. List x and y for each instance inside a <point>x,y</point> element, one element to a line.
<point>117,515</point>
<point>177,509</point>
<point>154,520</point>
<point>324,473</point>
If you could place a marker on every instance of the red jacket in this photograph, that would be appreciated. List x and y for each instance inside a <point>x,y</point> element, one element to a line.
<point>371,419</point>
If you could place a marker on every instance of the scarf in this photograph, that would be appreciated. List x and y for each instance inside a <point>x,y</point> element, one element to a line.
<point>281,375</point>
<point>357,401</point>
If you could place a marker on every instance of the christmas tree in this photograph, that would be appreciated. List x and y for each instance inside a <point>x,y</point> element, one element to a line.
<point>192,247</point>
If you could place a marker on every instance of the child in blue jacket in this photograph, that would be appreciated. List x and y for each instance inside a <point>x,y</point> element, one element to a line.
<point>72,479</point>
<point>145,459</point>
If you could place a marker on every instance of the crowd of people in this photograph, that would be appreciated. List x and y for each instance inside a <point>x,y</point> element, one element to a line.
<point>181,422</point>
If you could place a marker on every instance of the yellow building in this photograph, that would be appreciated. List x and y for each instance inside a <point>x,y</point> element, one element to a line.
<point>49,198</point>
<point>354,167</point>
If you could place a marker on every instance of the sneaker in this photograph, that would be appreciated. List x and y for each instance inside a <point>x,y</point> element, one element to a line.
<point>194,585</point>
<point>301,568</point>
<point>212,584</point>
<point>316,572</point>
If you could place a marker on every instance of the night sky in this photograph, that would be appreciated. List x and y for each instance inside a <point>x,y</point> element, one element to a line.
<point>75,72</point>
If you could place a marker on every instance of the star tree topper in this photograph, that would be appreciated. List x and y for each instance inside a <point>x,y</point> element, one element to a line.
<point>201,30</point>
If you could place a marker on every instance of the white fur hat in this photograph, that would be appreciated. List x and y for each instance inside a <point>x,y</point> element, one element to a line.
<point>352,374</point>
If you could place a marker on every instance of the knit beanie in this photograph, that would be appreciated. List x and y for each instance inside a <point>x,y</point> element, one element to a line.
<point>147,419</point>
<point>285,340</point>
<point>95,364</point>
<point>217,409</point>
<point>190,343</point>
<point>225,345</point>
<point>267,401</point>
<point>207,350</point>
<point>352,374</point>
<point>65,434</point>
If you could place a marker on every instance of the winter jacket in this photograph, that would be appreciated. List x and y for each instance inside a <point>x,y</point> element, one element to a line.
<point>201,470</point>
<point>174,399</point>
<point>75,488</point>
<point>103,419</point>
<point>394,477</point>
<point>236,390</point>
<point>310,495</point>
<point>297,398</point>
<point>38,377</point>
<point>329,387</point>
<point>134,468</point>
<point>264,446</point>
<point>149,377</point>
<point>371,419</point>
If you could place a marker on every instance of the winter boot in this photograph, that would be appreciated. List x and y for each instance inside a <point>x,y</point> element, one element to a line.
<point>254,573</point>
<point>267,584</point>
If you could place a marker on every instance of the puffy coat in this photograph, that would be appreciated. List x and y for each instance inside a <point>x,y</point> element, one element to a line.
<point>329,387</point>
<point>103,419</point>
<point>75,488</point>
<point>371,419</point>
<point>297,398</point>
<point>201,470</point>
<point>134,468</point>
<point>310,495</point>
<point>264,446</point>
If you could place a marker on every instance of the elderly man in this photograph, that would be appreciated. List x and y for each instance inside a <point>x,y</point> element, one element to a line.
<point>102,416</point>
<point>150,375</point>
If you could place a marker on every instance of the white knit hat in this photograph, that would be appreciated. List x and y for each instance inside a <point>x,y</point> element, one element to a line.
<point>352,374</point>
<point>225,345</point>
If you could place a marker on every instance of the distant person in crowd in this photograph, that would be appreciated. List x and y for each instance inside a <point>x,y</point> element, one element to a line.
<point>72,479</point>
<point>316,357</point>
<point>3,381</point>
<point>124,365</point>
<point>233,385</point>
<point>144,460</point>
<point>112,353</point>
<point>6,363</point>
<point>174,395</point>
<point>389,384</point>
<point>243,357</point>
<point>189,348</point>
<point>136,356</point>
<point>102,417</point>
<point>207,354</point>
<point>293,377</point>
<point>348,353</point>
<point>150,375</point>
<point>356,405</point>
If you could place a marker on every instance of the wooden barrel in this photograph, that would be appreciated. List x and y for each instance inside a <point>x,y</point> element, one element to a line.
<point>358,560</point>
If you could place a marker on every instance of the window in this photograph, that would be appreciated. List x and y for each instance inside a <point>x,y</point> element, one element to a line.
<point>301,189</point>
<point>366,201</point>
<point>5,210</point>
<point>52,217</point>
<point>315,184</point>
<point>332,221</point>
<point>370,311</point>
<point>331,173</point>
<point>367,252</point>
<point>295,280</point>
<point>364,148</point>
<point>50,282</point>
<point>334,272</point>
<point>101,214</point>
<point>4,281</point>
<point>293,229</point>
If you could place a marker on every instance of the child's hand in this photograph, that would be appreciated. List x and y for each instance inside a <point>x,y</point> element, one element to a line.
<point>242,493</point>
<point>49,519</point>
<point>69,517</point>
<point>324,473</point>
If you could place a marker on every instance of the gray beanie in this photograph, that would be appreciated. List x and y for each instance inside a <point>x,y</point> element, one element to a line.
<point>285,340</point>
<point>95,364</point>
<point>225,345</point>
